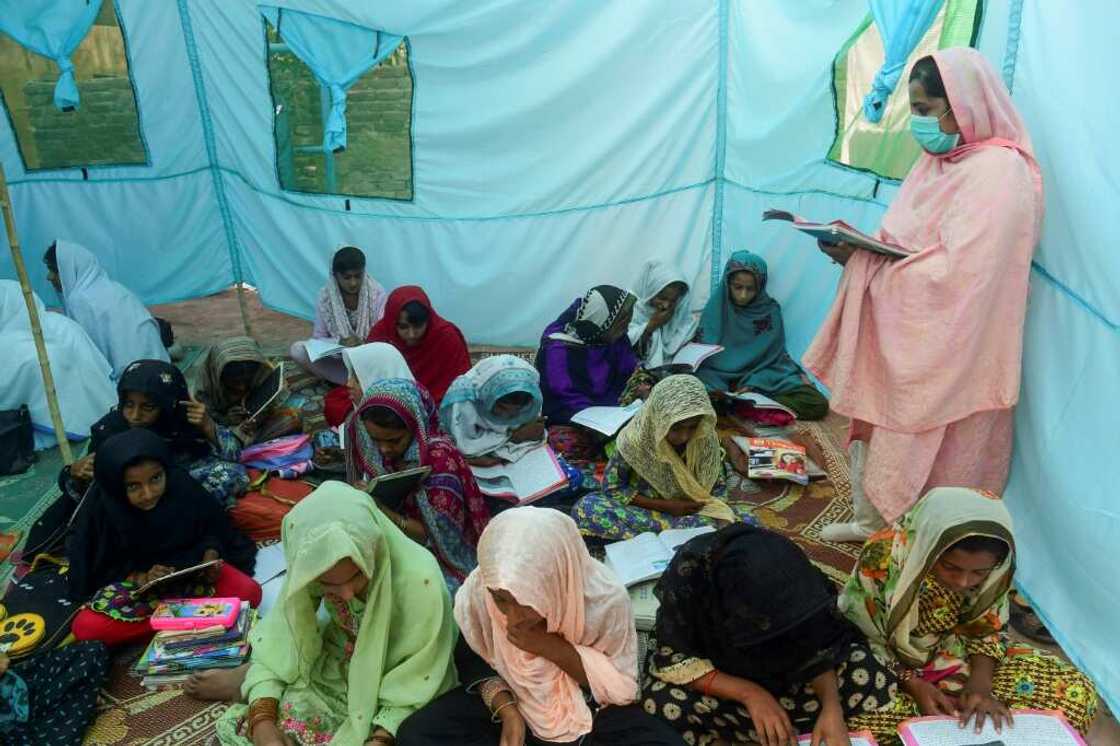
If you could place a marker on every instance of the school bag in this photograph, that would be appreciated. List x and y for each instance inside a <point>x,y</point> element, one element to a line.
<point>17,441</point>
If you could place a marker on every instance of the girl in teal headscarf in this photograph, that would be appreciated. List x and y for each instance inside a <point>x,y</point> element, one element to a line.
<point>747,322</point>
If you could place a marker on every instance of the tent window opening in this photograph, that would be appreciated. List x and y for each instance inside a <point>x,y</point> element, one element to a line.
<point>377,158</point>
<point>886,147</point>
<point>102,128</point>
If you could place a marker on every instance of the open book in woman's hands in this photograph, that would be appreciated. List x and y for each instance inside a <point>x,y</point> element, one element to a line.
<point>838,231</point>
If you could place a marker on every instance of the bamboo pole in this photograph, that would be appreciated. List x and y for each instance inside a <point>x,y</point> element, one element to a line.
<point>33,315</point>
<point>244,310</point>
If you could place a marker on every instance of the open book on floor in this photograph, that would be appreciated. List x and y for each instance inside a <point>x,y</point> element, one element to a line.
<point>646,556</point>
<point>1031,728</point>
<point>838,231</point>
<point>607,420</point>
<point>861,738</point>
<point>317,349</point>
<point>391,489</point>
<point>536,474</point>
<point>759,401</point>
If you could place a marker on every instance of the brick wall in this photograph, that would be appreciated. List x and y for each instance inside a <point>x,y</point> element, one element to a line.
<point>102,131</point>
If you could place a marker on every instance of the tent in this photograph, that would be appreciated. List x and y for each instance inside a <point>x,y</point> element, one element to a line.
<point>544,147</point>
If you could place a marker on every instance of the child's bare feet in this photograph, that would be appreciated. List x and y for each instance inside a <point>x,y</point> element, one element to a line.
<point>217,684</point>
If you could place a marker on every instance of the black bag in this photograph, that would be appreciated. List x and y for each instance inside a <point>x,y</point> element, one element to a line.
<point>45,591</point>
<point>17,441</point>
<point>166,333</point>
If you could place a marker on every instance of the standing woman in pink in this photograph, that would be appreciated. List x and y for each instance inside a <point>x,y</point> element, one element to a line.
<point>923,353</point>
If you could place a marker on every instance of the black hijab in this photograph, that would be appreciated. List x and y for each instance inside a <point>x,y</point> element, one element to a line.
<point>165,385</point>
<point>752,603</point>
<point>112,538</point>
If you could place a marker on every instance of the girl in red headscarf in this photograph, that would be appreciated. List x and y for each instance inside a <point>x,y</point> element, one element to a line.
<point>433,347</point>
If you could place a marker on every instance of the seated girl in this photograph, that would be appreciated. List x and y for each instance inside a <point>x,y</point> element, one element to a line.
<point>51,697</point>
<point>493,414</point>
<point>393,430</point>
<point>931,593</point>
<point>747,322</point>
<point>348,306</point>
<point>81,374</point>
<point>365,365</point>
<point>112,315</point>
<point>585,359</point>
<point>153,395</point>
<point>750,648</point>
<point>232,370</point>
<point>553,637</point>
<point>384,651</point>
<point>147,518</point>
<point>433,347</point>
<point>663,322</point>
<point>667,469</point>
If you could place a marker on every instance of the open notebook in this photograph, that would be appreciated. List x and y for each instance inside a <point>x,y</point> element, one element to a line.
<point>1031,728</point>
<point>646,556</point>
<point>536,474</point>
<point>317,349</point>
<point>694,353</point>
<point>607,420</point>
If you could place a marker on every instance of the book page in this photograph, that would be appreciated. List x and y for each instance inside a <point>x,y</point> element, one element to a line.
<point>262,396</point>
<point>607,420</point>
<point>1031,728</point>
<point>534,475</point>
<point>177,575</point>
<point>694,353</point>
<point>674,537</point>
<point>642,558</point>
<point>644,605</point>
<point>858,739</point>
<point>321,348</point>
<point>760,401</point>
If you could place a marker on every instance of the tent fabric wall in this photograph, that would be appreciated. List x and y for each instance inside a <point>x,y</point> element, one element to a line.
<point>558,145</point>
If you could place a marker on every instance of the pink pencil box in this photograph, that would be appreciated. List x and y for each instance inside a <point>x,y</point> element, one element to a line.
<point>196,613</point>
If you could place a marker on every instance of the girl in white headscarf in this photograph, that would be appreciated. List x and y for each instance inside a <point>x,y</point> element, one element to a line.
<point>663,321</point>
<point>81,373</point>
<point>114,318</point>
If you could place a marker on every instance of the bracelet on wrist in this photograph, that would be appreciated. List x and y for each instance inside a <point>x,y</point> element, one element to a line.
<point>494,715</point>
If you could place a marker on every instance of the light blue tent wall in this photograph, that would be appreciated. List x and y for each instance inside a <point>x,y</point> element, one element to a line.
<point>556,145</point>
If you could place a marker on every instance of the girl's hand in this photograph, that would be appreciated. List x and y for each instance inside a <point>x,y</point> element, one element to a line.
<point>350,341</point>
<point>930,699</point>
<point>532,638</point>
<point>211,573</point>
<point>981,705</point>
<point>381,737</point>
<point>771,722</point>
<point>157,572</point>
<point>268,734</point>
<point>839,252</point>
<point>831,730</point>
<point>360,484</point>
<point>198,416</point>
<point>681,508</point>
<point>484,461</point>
<point>530,432</point>
<point>3,664</point>
<point>513,726</point>
<point>658,319</point>
<point>82,469</point>
<point>735,455</point>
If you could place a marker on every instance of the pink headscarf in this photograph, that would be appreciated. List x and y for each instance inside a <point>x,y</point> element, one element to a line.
<point>537,555</point>
<point>916,344</point>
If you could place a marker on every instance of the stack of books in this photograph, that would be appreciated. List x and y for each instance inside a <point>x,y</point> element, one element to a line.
<point>174,654</point>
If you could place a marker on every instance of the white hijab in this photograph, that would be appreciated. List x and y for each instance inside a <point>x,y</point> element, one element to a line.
<point>374,362</point>
<point>112,315</point>
<point>81,373</point>
<point>670,338</point>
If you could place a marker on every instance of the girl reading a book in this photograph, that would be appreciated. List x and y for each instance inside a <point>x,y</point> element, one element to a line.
<point>434,348</point>
<point>153,395</point>
<point>743,318</point>
<point>663,322</point>
<point>349,304</point>
<point>750,648</point>
<point>365,365</point>
<point>551,641</point>
<point>931,592</point>
<point>923,354</point>
<point>145,519</point>
<point>235,368</point>
<point>667,469</point>
<point>393,430</point>
<point>384,651</point>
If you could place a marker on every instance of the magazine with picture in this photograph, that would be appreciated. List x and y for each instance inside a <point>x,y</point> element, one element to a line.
<point>837,231</point>
<point>646,556</point>
<point>1030,728</point>
<point>536,474</point>
<point>770,458</point>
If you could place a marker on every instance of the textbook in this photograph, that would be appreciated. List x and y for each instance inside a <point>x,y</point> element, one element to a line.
<point>607,420</point>
<point>1031,728</point>
<point>837,231</point>
<point>536,474</point>
<point>862,738</point>
<point>644,605</point>
<point>263,395</point>
<point>769,458</point>
<point>177,575</point>
<point>646,556</point>
<point>392,489</point>
<point>694,353</point>
<point>317,349</point>
<point>759,401</point>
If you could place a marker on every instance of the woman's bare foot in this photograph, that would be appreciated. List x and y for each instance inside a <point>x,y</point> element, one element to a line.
<point>217,684</point>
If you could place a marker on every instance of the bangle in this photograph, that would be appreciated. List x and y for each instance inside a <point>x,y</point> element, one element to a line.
<point>707,686</point>
<point>261,710</point>
<point>490,689</point>
<point>494,715</point>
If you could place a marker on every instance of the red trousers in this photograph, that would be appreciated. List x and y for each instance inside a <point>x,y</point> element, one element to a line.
<point>90,625</point>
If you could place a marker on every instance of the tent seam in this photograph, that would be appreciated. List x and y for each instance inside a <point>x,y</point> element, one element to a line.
<point>1074,296</point>
<point>721,146</point>
<point>208,139</point>
<point>1011,53</point>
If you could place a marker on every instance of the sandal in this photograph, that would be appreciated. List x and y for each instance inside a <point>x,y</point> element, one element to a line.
<point>1026,622</point>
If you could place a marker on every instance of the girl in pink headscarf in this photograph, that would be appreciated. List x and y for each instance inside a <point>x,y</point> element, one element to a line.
<point>553,652</point>
<point>923,354</point>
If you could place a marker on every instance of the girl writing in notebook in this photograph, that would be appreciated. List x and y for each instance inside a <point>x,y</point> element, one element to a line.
<point>146,519</point>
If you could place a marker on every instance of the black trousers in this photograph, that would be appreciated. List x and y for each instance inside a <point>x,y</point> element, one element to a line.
<point>460,718</point>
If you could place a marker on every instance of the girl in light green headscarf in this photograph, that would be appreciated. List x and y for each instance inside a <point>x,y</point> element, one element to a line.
<point>386,650</point>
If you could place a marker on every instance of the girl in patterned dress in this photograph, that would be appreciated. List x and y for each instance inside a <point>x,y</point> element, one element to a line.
<point>931,593</point>
<point>749,647</point>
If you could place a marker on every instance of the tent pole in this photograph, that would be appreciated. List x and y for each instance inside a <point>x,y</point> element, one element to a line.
<point>33,315</point>
<point>244,310</point>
